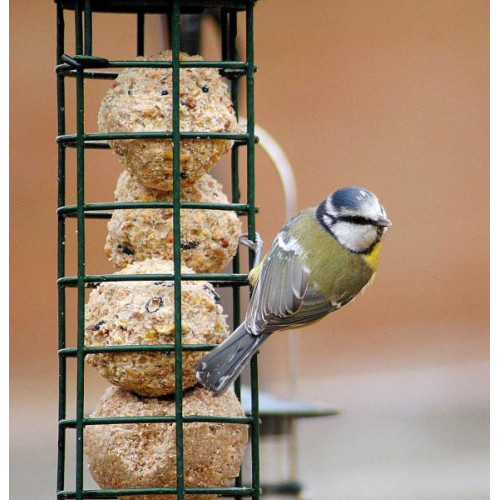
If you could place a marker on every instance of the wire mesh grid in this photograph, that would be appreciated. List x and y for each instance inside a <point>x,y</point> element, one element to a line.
<point>83,65</point>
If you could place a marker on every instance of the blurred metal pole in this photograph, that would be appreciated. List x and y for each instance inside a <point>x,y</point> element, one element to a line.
<point>289,185</point>
<point>191,33</point>
<point>191,37</point>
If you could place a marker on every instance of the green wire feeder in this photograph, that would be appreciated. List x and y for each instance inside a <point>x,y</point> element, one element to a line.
<point>82,66</point>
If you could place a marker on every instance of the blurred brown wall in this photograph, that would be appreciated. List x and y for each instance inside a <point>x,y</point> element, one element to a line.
<point>390,95</point>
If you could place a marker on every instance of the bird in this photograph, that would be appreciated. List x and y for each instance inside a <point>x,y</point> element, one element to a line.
<point>319,261</point>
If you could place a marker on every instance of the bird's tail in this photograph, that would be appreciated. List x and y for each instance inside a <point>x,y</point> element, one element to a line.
<point>220,368</point>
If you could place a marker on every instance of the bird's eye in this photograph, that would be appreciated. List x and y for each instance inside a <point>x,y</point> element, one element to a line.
<point>205,88</point>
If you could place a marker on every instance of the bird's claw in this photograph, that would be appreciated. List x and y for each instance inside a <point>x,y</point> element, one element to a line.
<point>255,246</point>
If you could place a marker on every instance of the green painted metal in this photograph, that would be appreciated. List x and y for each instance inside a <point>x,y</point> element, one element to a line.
<point>175,21</point>
<point>61,252</point>
<point>235,279</point>
<point>111,494</point>
<point>70,210</point>
<point>101,62</point>
<point>70,423</point>
<point>72,138</point>
<point>83,66</point>
<point>155,6</point>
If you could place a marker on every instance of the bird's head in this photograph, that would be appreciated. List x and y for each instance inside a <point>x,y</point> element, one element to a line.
<point>355,217</point>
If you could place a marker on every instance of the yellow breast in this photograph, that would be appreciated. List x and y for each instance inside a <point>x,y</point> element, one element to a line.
<point>372,258</point>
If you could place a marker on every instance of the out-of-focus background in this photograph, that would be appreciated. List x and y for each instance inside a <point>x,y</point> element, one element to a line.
<point>392,95</point>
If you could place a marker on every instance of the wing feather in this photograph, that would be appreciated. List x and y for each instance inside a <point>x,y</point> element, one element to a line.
<point>281,287</point>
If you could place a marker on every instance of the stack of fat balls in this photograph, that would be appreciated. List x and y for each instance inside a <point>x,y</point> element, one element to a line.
<point>140,241</point>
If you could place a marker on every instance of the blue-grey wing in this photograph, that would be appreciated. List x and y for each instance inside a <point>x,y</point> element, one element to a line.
<point>314,306</point>
<point>283,297</point>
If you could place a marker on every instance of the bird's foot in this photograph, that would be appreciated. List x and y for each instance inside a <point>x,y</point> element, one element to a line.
<point>255,246</point>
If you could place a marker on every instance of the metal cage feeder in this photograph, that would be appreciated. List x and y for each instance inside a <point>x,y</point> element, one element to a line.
<point>84,65</point>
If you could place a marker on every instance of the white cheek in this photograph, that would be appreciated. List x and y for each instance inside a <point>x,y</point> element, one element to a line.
<point>356,237</point>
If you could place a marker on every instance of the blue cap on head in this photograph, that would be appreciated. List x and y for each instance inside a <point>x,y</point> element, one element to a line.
<point>350,198</point>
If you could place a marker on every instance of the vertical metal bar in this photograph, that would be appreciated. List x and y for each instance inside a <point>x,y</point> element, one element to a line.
<point>80,200</point>
<point>250,126</point>
<point>80,361</point>
<point>61,253</point>
<point>250,123</point>
<point>224,28</point>
<point>236,193</point>
<point>60,33</point>
<point>78,28</point>
<point>251,234</point>
<point>229,31</point>
<point>140,33</point>
<point>176,143</point>
<point>88,28</point>
<point>230,52</point>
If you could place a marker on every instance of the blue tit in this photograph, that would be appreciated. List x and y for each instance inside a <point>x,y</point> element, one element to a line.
<point>321,259</point>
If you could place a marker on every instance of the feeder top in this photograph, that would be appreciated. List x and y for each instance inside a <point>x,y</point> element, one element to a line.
<point>154,6</point>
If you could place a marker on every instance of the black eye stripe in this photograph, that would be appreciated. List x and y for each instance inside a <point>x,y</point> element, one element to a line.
<point>354,219</point>
<point>322,213</point>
